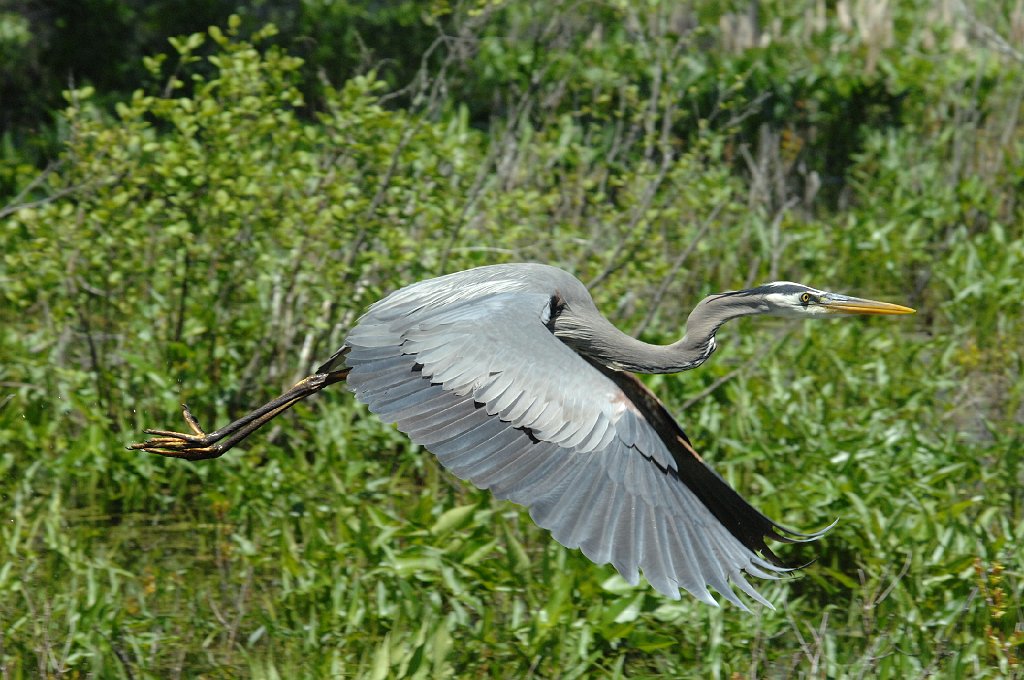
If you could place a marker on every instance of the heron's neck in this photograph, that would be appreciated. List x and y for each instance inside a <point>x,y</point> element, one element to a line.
<point>598,339</point>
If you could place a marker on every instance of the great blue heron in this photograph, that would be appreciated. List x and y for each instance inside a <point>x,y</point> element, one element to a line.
<point>514,380</point>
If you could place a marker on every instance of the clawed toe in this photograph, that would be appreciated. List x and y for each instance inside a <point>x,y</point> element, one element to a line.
<point>177,436</point>
<point>178,448</point>
<point>195,446</point>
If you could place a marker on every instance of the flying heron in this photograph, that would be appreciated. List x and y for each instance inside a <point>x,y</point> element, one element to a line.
<point>513,379</point>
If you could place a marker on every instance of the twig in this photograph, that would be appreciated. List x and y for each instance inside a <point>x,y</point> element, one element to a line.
<point>942,649</point>
<point>5,672</point>
<point>659,295</point>
<point>518,117</point>
<point>16,203</point>
<point>243,595</point>
<point>895,581</point>
<point>729,376</point>
<point>716,384</point>
<point>61,193</point>
<point>627,245</point>
<point>17,385</point>
<point>121,656</point>
<point>777,235</point>
<point>989,34</point>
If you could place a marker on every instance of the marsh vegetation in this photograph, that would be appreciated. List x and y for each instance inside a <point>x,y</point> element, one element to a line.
<point>208,235</point>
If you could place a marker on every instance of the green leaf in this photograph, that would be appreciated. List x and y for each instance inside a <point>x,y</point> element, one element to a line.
<point>452,519</point>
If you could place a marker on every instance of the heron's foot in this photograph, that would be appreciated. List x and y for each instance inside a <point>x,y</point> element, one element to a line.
<point>195,446</point>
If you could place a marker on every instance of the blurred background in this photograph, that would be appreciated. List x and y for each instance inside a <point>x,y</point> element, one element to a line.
<point>198,199</point>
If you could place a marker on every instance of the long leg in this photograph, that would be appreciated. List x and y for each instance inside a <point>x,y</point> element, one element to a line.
<point>199,446</point>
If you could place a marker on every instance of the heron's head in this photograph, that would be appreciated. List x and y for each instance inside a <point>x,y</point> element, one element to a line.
<point>785,298</point>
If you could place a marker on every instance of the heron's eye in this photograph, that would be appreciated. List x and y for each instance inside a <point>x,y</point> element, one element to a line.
<point>805,298</point>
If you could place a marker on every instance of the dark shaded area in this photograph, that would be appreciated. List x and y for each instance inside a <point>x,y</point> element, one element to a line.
<point>824,118</point>
<point>102,43</point>
<point>89,42</point>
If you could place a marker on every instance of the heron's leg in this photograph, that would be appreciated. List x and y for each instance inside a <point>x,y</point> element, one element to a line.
<point>199,446</point>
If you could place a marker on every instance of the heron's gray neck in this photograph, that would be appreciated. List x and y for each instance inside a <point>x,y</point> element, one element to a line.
<point>590,334</point>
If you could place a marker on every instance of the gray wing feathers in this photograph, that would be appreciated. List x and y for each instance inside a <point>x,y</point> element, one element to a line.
<point>539,426</point>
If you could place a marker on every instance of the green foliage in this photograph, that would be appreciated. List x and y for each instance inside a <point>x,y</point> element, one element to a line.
<point>214,236</point>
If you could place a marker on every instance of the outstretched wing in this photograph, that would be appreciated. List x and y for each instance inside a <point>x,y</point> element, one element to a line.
<point>477,377</point>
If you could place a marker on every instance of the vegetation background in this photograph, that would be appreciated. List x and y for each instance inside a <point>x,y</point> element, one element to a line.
<point>202,219</point>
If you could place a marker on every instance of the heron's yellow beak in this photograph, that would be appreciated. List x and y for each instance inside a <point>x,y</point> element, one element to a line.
<point>842,304</point>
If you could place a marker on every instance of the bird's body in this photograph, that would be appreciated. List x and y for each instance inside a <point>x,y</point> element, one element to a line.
<point>515,381</point>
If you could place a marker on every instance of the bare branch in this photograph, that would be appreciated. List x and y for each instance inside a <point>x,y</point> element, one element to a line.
<point>674,271</point>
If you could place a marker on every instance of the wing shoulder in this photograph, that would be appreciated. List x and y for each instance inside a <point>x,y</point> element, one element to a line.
<point>489,338</point>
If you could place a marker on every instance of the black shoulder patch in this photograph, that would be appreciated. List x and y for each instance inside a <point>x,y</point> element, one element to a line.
<point>557,304</point>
